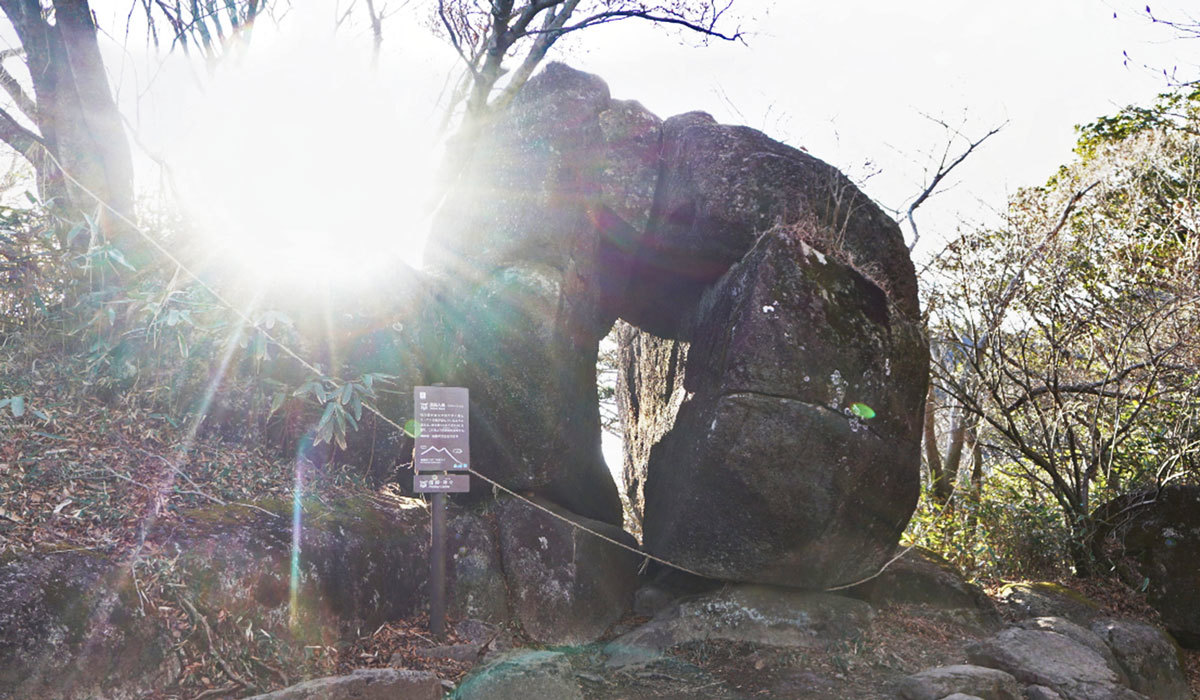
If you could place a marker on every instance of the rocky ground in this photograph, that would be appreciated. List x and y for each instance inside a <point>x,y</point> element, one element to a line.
<point>905,650</point>
<point>82,506</point>
<point>912,651</point>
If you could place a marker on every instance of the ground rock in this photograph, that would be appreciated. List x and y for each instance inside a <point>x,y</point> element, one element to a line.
<point>522,675</point>
<point>1048,599</point>
<point>365,684</point>
<point>360,563</point>
<point>922,577</point>
<point>71,627</point>
<point>1042,657</point>
<point>650,599</point>
<point>743,613</point>
<point>1149,657</point>
<point>467,653</point>
<point>784,348</point>
<point>566,585</point>
<point>937,683</point>
<point>1084,636</point>
<point>1040,692</point>
<point>1160,531</point>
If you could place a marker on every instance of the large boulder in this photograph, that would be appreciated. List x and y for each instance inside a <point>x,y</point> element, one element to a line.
<point>572,210</point>
<point>1160,532</point>
<point>721,188</point>
<point>520,239</point>
<point>535,420</point>
<point>794,460</point>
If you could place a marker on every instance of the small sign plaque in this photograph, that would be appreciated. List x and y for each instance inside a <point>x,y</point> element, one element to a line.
<point>441,483</point>
<point>443,441</point>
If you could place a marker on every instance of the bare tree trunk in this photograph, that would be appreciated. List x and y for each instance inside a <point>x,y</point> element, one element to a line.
<point>976,465</point>
<point>943,474</point>
<point>1082,553</point>
<point>85,155</point>
<point>933,457</point>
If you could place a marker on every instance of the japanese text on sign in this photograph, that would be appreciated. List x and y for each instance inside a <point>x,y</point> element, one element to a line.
<point>443,437</point>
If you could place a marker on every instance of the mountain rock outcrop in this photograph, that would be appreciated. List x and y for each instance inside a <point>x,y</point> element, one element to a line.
<point>774,364</point>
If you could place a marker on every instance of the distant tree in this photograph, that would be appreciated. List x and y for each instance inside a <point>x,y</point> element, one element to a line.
<point>1071,336</point>
<point>208,29</point>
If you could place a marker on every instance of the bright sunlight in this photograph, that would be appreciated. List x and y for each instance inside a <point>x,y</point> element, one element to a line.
<point>301,166</point>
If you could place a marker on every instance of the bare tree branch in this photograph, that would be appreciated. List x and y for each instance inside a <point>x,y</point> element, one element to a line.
<point>13,87</point>
<point>21,140</point>
<point>707,30</point>
<point>943,171</point>
<point>376,32</point>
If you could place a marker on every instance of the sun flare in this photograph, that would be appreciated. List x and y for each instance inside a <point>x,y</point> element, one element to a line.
<point>314,172</point>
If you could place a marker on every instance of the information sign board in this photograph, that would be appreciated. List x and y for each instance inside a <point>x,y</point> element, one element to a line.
<point>443,441</point>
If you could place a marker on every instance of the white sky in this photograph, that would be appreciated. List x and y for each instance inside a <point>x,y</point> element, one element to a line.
<point>297,139</point>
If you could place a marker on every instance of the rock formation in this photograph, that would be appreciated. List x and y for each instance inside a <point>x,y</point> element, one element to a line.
<point>773,386</point>
<point>1159,533</point>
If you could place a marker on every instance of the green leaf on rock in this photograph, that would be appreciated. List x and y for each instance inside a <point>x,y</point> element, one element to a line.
<point>862,411</point>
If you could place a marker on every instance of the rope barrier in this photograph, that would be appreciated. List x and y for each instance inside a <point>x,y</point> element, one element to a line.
<point>312,368</point>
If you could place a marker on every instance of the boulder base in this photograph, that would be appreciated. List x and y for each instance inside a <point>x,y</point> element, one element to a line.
<point>70,628</point>
<point>567,586</point>
<point>746,613</point>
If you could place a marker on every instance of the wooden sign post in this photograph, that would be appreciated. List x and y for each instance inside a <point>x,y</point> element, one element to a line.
<point>441,458</point>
